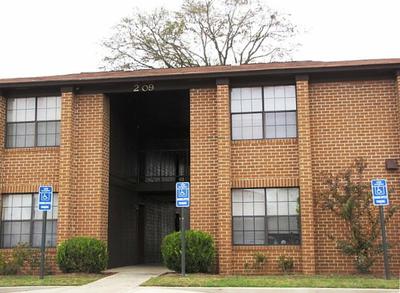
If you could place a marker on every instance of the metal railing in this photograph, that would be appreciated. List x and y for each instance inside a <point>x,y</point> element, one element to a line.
<point>162,165</point>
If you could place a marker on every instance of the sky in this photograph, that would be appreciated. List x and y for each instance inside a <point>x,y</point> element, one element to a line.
<point>48,37</point>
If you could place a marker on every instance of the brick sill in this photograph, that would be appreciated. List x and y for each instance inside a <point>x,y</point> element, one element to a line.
<point>32,149</point>
<point>10,249</point>
<point>265,247</point>
<point>274,141</point>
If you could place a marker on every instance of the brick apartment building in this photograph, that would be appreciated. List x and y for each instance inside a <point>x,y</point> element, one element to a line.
<point>253,140</point>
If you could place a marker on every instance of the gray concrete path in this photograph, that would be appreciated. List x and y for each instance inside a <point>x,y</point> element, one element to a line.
<point>128,279</point>
<point>125,279</point>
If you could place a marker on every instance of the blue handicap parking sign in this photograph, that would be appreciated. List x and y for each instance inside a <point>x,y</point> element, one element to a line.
<point>45,198</point>
<point>182,194</point>
<point>380,195</point>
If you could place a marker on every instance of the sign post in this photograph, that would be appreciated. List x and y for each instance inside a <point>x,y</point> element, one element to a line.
<point>44,205</point>
<point>380,197</point>
<point>183,202</point>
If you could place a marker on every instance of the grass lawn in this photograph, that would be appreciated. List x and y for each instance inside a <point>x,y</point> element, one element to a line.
<point>203,280</point>
<point>51,280</point>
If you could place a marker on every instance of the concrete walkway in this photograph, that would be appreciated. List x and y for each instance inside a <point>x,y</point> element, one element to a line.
<point>128,279</point>
<point>125,279</point>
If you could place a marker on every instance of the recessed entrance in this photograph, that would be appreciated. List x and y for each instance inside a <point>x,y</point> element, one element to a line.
<point>149,152</point>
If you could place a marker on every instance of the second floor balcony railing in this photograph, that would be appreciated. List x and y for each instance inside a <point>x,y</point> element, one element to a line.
<point>162,166</point>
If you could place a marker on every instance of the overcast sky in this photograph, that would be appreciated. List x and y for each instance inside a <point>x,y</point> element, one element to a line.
<point>45,37</point>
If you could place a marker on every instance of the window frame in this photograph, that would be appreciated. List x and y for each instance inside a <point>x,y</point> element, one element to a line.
<point>31,220</point>
<point>36,122</point>
<point>263,112</point>
<point>266,216</point>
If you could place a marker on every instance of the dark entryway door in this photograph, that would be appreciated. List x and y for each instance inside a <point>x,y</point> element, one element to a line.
<point>156,219</point>
<point>140,231</point>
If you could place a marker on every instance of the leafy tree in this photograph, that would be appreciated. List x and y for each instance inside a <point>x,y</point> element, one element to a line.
<point>202,32</point>
<point>349,197</point>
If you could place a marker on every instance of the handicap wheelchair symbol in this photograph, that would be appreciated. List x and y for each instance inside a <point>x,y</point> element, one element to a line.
<point>379,190</point>
<point>44,197</point>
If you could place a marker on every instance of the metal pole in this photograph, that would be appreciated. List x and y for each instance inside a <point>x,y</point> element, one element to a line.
<point>43,246</point>
<point>384,244</point>
<point>183,242</point>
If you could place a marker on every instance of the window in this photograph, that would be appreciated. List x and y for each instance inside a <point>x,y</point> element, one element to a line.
<point>265,216</point>
<point>33,122</point>
<point>21,222</point>
<point>264,112</point>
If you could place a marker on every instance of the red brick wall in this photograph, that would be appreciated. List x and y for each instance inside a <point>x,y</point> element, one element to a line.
<point>76,169</point>
<point>25,169</point>
<point>243,255</point>
<point>203,160</point>
<point>353,119</point>
<point>338,121</point>
<point>264,159</point>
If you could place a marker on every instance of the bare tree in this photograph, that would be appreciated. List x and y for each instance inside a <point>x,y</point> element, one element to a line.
<point>202,32</point>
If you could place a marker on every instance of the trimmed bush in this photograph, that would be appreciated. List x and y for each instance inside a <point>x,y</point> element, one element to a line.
<point>200,251</point>
<point>82,255</point>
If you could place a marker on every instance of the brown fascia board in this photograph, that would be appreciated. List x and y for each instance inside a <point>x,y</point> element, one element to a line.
<point>267,69</point>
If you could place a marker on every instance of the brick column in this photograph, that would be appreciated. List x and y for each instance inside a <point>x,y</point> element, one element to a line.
<point>203,160</point>
<point>397,84</point>
<point>66,180</point>
<point>3,106</point>
<point>305,176</point>
<point>224,217</point>
<point>91,153</point>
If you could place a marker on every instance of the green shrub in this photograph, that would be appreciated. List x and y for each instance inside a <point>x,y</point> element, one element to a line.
<point>285,263</point>
<point>14,264</point>
<point>82,254</point>
<point>200,251</point>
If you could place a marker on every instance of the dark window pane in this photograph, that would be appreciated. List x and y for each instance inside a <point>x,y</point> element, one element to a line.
<point>248,223</point>
<point>30,128</point>
<point>12,129</point>
<point>50,140</point>
<point>249,237</point>
<point>259,237</point>
<point>30,141</point>
<point>272,223</point>
<point>270,132</point>
<point>20,141</point>
<point>294,223</point>
<point>237,223</point>
<point>280,118</point>
<point>270,119</point>
<point>237,195</point>
<point>248,195</point>
<point>57,139</point>
<point>36,240</point>
<point>11,141</point>
<point>291,118</point>
<point>41,140</point>
<point>6,227</point>
<point>21,129</point>
<point>41,128</point>
<point>6,240</point>
<point>238,237</point>
<point>283,223</point>
<point>259,223</point>
<point>291,131</point>
<point>280,131</point>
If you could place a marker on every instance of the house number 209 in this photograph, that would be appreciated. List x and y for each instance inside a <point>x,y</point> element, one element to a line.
<point>143,87</point>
